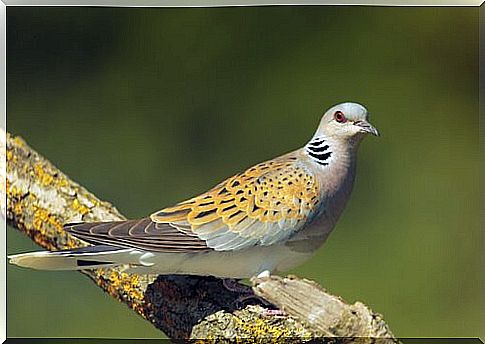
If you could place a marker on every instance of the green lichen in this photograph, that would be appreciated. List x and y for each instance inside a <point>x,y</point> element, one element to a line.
<point>250,325</point>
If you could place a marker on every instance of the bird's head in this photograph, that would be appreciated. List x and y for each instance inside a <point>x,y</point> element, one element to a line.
<point>346,121</point>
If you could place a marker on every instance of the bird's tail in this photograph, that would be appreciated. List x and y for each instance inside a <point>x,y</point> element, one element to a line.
<point>91,257</point>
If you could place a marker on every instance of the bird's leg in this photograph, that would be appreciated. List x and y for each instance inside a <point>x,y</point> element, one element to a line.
<point>232,284</point>
<point>246,294</point>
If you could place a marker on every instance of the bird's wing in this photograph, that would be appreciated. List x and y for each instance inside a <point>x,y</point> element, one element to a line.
<point>263,205</point>
<point>143,234</point>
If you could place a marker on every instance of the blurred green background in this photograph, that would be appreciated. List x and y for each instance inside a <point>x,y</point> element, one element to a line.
<point>147,107</point>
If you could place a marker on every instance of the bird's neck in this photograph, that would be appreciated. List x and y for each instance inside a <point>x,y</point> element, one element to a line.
<point>327,152</point>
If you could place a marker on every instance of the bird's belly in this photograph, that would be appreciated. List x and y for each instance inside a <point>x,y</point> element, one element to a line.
<point>228,264</point>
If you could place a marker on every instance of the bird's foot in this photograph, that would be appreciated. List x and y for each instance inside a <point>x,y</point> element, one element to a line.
<point>251,299</point>
<point>247,296</point>
<point>233,285</point>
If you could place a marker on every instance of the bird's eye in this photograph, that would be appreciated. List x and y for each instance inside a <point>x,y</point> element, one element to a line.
<point>340,117</point>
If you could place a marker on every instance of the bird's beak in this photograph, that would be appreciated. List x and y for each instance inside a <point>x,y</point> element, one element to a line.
<point>367,127</point>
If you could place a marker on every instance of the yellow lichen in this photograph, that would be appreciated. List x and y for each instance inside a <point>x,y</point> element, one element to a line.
<point>19,141</point>
<point>44,177</point>
<point>131,286</point>
<point>14,193</point>
<point>43,219</point>
<point>72,243</point>
<point>128,283</point>
<point>18,208</point>
<point>259,328</point>
<point>62,182</point>
<point>250,326</point>
<point>78,206</point>
<point>94,200</point>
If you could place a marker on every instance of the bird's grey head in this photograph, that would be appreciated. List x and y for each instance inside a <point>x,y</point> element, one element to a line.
<point>346,121</point>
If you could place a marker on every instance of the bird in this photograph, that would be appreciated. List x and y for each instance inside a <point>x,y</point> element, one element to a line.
<point>266,219</point>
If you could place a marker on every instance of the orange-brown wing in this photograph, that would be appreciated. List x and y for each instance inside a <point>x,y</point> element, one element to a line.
<point>261,206</point>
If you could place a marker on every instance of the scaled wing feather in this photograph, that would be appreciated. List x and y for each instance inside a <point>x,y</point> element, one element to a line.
<point>261,206</point>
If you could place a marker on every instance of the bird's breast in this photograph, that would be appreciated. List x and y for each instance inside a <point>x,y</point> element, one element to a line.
<point>336,186</point>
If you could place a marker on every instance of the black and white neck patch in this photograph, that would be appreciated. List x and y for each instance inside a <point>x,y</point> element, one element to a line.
<point>319,150</point>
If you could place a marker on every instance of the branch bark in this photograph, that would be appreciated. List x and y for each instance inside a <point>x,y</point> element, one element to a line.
<point>40,199</point>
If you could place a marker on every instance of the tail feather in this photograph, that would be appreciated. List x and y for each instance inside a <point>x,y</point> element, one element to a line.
<point>91,257</point>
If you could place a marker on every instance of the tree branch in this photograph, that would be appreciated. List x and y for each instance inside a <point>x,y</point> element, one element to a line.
<point>40,199</point>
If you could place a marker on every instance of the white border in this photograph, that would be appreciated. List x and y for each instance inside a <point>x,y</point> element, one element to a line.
<point>141,3</point>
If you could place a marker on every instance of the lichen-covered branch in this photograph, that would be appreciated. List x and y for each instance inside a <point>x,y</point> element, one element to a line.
<point>321,311</point>
<point>40,199</point>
